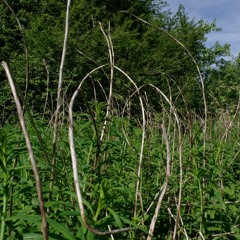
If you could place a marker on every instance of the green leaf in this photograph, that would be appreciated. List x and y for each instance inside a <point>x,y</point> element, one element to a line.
<point>116,217</point>
<point>85,202</point>
<point>90,235</point>
<point>103,221</point>
<point>219,197</point>
<point>30,218</point>
<point>133,224</point>
<point>32,236</point>
<point>212,229</point>
<point>52,203</point>
<point>60,228</point>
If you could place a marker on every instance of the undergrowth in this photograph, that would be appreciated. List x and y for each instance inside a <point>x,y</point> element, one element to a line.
<point>108,174</point>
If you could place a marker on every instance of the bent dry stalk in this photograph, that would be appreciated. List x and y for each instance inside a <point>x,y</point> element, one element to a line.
<point>75,168</point>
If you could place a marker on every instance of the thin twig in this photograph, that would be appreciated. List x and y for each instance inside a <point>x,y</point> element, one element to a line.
<point>25,47</point>
<point>46,99</point>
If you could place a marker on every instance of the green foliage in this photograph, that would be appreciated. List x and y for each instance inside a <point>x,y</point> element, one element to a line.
<point>145,53</point>
<point>210,199</point>
<point>225,80</point>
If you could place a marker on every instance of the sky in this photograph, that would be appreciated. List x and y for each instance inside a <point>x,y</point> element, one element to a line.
<point>226,13</point>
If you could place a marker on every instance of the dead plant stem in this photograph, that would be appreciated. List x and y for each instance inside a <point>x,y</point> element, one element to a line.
<point>29,147</point>
<point>59,98</point>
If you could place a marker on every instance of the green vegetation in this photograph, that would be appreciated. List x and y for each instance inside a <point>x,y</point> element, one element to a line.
<point>141,139</point>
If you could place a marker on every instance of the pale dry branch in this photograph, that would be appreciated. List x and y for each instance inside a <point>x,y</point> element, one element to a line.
<point>163,192</point>
<point>224,234</point>
<point>199,75</point>
<point>174,111</point>
<point>143,138</point>
<point>75,168</point>
<point>59,98</point>
<point>204,102</point>
<point>180,157</point>
<point>200,233</point>
<point>46,99</point>
<point>29,148</point>
<point>111,60</point>
<point>154,199</point>
<point>184,230</point>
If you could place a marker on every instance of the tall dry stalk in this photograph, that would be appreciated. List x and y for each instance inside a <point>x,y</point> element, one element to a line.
<point>163,192</point>
<point>111,60</point>
<point>29,148</point>
<point>59,98</point>
<point>178,221</point>
<point>178,216</point>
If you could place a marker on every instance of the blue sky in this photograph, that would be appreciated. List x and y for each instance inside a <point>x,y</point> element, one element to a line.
<point>226,13</point>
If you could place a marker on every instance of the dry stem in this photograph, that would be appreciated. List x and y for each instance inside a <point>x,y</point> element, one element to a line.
<point>75,168</point>
<point>59,99</point>
<point>29,147</point>
<point>168,173</point>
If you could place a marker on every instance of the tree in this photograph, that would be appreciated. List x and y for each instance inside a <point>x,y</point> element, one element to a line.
<point>224,84</point>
